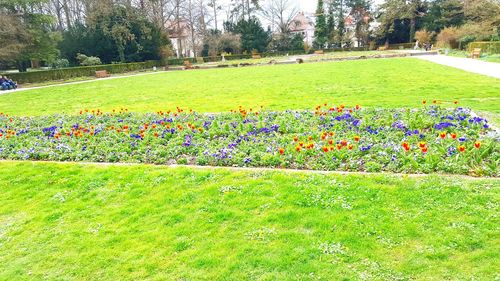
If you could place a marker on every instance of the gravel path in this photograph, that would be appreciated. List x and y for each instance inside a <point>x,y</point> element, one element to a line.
<point>491,69</point>
<point>80,82</point>
<point>251,169</point>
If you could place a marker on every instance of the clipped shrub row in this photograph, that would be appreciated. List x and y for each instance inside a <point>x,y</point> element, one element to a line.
<point>67,73</point>
<point>492,47</point>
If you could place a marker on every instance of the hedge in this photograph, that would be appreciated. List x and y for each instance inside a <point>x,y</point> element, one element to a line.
<point>67,73</point>
<point>492,47</point>
<point>401,46</point>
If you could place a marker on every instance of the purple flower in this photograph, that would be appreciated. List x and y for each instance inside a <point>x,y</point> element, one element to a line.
<point>187,141</point>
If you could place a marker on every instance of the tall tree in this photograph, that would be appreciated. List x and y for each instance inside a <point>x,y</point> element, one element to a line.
<point>280,13</point>
<point>35,40</point>
<point>253,36</point>
<point>395,13</point>
<point>321,32</point>
<point>216,7</point>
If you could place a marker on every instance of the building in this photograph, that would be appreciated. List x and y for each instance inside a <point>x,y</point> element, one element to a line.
<point>180,34</point>
<point>303,23</point>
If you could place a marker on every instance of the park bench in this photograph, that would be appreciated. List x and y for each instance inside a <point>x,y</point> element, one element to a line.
<point>187,64</point>
<point>319,52</point>
<point>256,57</point>
<point>101,74</point>
<point>476,53</point>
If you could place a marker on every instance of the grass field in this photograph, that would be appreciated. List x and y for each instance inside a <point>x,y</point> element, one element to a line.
<point>76,222</point>
<point>375,83</point>
<point>67,221</point>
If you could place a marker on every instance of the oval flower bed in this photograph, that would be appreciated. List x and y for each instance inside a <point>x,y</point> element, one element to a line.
<point>431,139</point>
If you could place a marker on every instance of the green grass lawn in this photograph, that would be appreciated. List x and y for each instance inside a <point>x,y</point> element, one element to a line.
<point>377,82</point>
<point>86,222</point>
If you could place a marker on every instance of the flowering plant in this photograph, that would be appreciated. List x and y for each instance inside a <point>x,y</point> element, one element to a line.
<point>426,140</point>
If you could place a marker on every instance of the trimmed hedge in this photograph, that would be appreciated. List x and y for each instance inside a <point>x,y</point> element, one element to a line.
<point>492,47</point>
<point>401,46</point>
<point>67,73</point>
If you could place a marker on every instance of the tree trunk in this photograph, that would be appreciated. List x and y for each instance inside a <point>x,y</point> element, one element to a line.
<point>214,3</point>
<point>67,13</point>
<point>412,29</point>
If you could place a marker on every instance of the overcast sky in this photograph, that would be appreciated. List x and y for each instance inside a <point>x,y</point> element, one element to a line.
<point>305,5</point>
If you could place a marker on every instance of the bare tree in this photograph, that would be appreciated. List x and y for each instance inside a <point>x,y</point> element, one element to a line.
<point>280,13</point>
<point>216,7</point>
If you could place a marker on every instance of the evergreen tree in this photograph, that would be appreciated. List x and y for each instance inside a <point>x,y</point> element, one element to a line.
<point>253,36</point>
<point>321,32</point>
<point>330,22</point>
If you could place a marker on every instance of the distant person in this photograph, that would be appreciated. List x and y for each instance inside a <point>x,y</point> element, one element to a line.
<point>7,84</point>
<point>416,45</point>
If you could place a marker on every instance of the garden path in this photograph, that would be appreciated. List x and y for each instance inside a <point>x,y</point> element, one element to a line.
<point>257,169</point>
<point>491,69</point>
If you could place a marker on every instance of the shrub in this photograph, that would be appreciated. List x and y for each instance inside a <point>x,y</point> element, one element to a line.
<point>486,47</point>
<point>67,73</point>
<point>423,36</point>
<point>88,61</point>
<point>60,63</point>
<point>448,38</point>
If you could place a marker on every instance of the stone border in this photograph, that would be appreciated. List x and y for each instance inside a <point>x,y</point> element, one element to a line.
<point>255,169</point>
<point>296,61</point>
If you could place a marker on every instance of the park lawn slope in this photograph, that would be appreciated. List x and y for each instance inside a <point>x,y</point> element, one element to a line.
<point>401,82</point>
<point>101,222</point>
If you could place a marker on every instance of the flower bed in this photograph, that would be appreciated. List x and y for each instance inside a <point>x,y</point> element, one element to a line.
<point>431,139</point>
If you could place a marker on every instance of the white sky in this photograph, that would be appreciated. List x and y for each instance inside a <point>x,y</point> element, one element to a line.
<point>303,5</point>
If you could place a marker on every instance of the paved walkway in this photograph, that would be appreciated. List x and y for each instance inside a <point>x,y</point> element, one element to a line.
<point>491,69</point>
<point>80,82</point>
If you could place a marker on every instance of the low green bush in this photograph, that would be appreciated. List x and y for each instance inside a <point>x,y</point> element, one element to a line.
<point>67,73</point>
<point>486,47</point>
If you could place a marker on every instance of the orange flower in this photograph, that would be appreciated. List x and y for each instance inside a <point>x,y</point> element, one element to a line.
<point>461,148</point>
<point>456,102</point>
<point>281,151</point>
<point>424,102</point>
<point>297,148</point>
<point>357,138</point>
<point>339,146</point>
<point>406,146</point>
<point>156,134</point>
<point>453,135</point>
<point>295,139</point>
<point>330,134</point>
<point>424,149</point>
<point>350,147</point>
<point>330,142</point>
<point>310,138</point>
<point>325,149</point>
<point>477,144</point>
<point>343,142</point>
<point>442,135</point>
<point>422,144</point>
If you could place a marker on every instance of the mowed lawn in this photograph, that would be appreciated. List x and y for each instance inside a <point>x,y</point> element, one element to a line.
<point>375,83</point>
<point>86,222</point>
